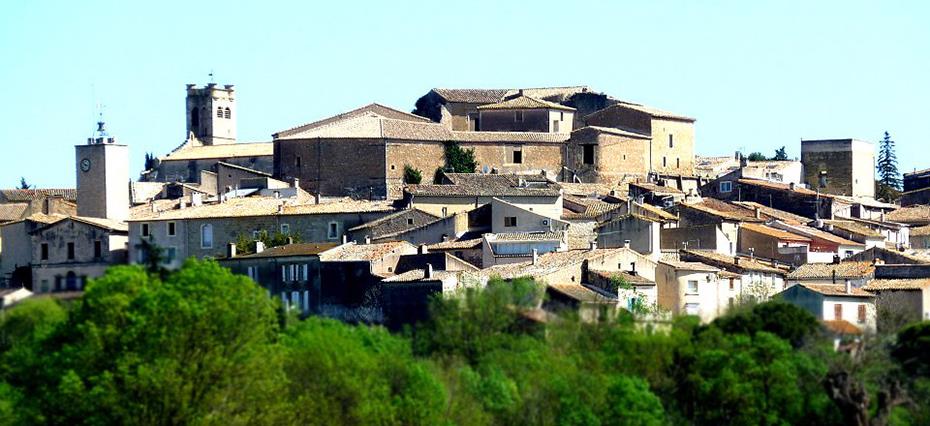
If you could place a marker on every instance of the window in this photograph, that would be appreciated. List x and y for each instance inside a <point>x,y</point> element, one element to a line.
<point>227,113</point>
<point>285,228</point>
<point>171,253</point>
<point>555,126</point>
<point>587,154</point>
<point>510,221</point>
<point>473,122</point>
<point>516,156</point>
<point>98,249</point>
<point>671,141</point>
<point>306,301</point>
<point>732,285</point>
<point>256,235</point>
<point>445,211</point>
<point>518,116</point>
<point>172,230</point>
<point>692,309</point>
<point>692,287</point>
<point>726,186</point>
<point>206,236</point>
<point>664,162</point>
<point>333,231</point>
<point>678,162</point>
<point>70,251</point>
<point>219,112</point>
<point>145,230</point>
<point>252,272</point>
<point>409,221</point>
<point>848,253</point>
<point>295,300</point>
<point>837,311</point>
<point>861,316</point>
<point>44,251</point>
<point>297,162</point>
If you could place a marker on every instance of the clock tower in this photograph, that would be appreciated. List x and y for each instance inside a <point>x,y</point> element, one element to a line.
<point>102,177</point>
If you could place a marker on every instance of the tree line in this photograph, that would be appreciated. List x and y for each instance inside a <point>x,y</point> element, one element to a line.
<point>203,346</point>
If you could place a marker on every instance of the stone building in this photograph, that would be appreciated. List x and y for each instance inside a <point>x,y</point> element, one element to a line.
<point>834,302</point>
<point>606,155</point>
<point>211,113</point>
<point>460,192</point>
<point>692,288</point>
<point>525,114</point>
<point>68,252</point>
<point>839,166</point>
<point>457,109</point>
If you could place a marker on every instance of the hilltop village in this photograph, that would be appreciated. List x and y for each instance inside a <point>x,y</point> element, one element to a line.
<point>365,215</point>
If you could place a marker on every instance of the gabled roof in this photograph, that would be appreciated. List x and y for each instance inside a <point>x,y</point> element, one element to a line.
<point>577,208</point>
<point>918,214</point>
<point>836,290</point>
<point>657,189</point>
<point>551,262</point>
<point>814,233</point>
<point>739,263</point>
<point>370,110</point>
<point>471,96</point>
<point>773,213</point>
<point>897,284</point>
<point>415,275</point>
<point>218,152</point>
<point>290,250</point>
<point>841,327</point>
<point>11,212</point>
<point>244,169</point>
<point>653,112</point>
<point>580,293</point>
<point>26,195</point>
<point>774,233</point>
<point>723,210</point>
<point>688,266</point>
<point>525,236</point>
<point>105,224</point>
<point>524,102</point>
<point>824,271</point>
<point>629,278</point>
<point>397,223</point>
<point>488,185</point>
<point>798,189</point>
<point>365,252</point>
<point>456,244</point>
<point>253,206</point>
<point>856,228</point>
<point>628,133</point>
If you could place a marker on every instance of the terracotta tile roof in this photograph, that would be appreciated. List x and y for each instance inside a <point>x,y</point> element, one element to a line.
<point>291,250</point>
<point>524,102</point>
<point>626,276</point>
<point>688,266</point>
<point>898,284</point>
<point>371,110</point>
<point>723,210</point>
<point>549,262</point>
<point>855,228</point>
<point>525,236</point>
<point>628,133</point>
<point>42,218</point>
<point>592,189</point>
<point>841,327</point>
<point>714,167</point>
<point>472,96</point>
<point>769,212</point>
<point>920,231</point>
<point>396,223</point>
<point>836,290</point>
<point>581,293</point>
<point>25,195</point>
<point>456,244</point>
<point>653,112</point>
<point>12,212</point>
<point>824,271</point>
<point>658,189</point>
<point>554,94</point>
<point>109,224</point>
<point>366,252</point>
<point>798,189</point>
<point>488,185</point>
<point>215,152</point>
<point>591,208</point>
<point>650,211</point>
<point>253,206</point>
<point>772,232</point>
<point>415,275</point>
<point>814,233</point>
<point>491,137</point>
<point>720,260</point>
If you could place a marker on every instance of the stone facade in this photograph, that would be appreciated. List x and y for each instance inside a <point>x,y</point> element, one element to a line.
<point>604,156</point>
<point>839,166</point>
<point>103,180</point>
<point>68,252</point>
<point>211,113</point>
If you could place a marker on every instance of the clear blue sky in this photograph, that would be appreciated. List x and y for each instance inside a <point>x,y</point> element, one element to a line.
<point>756,75</point>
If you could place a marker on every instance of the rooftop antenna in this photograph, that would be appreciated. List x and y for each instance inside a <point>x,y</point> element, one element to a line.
<point>211,76</point>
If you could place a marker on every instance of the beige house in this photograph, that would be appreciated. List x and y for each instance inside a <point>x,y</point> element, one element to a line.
<point>68,252</point>
<point>460,192</point>
<point>525,114</point>
<point>692,288</point>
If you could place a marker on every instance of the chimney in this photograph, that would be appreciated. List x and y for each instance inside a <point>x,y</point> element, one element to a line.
<point>296,183</point>
<point>848,287</point>
<point>290,240</point>
<point>752,253</point>
<point>535,256</point>
<point>230,250</point>
<point>626,244</point>
<point>758,213</point>
<point>182,205</point>
<point>878,261</point>
<point>736,260</point>
<point>281,208</point>
<point>316,198</point>
<point>345,239</point>
<point>196,199</point>
<point>791,186</point>
<point>836,259</point>
<point>428,272</point>
<point>259,247</point>
<point>423,249</point>
<point>834,276</point>
<point>593,246</point>
<point>367,239</point>
<point>154,207</point>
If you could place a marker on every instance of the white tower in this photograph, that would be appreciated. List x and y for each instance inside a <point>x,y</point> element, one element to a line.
<point>211,114</point>
<point>102,177</point>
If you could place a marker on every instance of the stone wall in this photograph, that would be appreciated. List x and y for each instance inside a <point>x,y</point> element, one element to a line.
<point>334,167</point>
<point>849,165</point>
<point>615,157</point>
<point>190,170</point>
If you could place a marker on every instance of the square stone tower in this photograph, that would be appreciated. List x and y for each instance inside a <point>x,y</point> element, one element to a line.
<point>839,166</point>
<point>102,177</point>
<point>211,114</point>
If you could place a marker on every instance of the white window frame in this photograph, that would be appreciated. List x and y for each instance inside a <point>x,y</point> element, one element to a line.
<point>697,286</point>
<point>203,241</point>
<point>726,184</point>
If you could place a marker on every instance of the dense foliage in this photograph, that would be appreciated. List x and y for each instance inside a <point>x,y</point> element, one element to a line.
<point>203,346</point>
<point>412,176</point>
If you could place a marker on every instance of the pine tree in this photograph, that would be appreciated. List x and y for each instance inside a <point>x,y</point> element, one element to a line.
<point>23,184</point>
<point>889,180</point>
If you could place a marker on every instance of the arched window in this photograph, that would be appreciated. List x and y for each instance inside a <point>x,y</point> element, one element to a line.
<point>195,117</point>
<point>219,112</point>
<point>206,236</point>
<point>71,281</point>
<point>228,113</point>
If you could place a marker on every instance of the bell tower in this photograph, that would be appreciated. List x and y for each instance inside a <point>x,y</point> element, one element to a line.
<point>211,113</point>
<point>102,177</point>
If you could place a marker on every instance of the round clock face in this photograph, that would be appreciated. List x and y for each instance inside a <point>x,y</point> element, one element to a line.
<point>85,165</point>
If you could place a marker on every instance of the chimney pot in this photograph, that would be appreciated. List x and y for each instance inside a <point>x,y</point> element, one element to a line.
<point>535,256</point>
<point>848,287</point>
<point>345,239</point>
<point>368,239</point>
<point>593,246</point>
<point>758,213</point>
<point>231,250</point>
<point>626,244</point>
<point>423,249</point>
<point>259,247</point>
